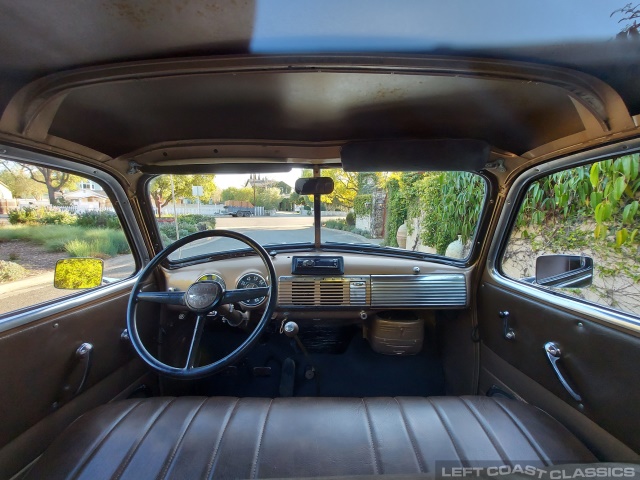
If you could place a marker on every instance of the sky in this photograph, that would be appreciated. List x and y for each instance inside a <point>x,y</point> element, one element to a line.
<point>412,25</point>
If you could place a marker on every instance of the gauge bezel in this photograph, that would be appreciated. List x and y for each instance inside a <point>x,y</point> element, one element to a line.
<point>217,278</point>
<point>266,284</point>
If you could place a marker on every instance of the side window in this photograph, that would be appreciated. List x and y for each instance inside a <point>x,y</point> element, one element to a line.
<point>48,215</point>
<point>587,211</point>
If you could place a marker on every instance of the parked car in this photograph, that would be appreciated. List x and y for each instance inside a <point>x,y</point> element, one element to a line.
<point>478,313</point>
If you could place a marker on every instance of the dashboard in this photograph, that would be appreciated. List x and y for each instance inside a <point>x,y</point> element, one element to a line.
<point>352,282</point>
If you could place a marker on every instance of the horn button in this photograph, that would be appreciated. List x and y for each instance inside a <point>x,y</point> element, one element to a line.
<point>202,296</point>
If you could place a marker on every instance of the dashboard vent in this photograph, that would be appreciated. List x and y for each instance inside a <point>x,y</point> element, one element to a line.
<point>434,290</point>
<point>322,291</point>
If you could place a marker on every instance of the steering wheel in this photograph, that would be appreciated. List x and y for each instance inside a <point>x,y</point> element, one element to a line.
<point>201,298</point>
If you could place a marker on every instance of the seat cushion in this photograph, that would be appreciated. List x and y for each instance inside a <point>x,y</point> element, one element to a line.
<point>221,437</point>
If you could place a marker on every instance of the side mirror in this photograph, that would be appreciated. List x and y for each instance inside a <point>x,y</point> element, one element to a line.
<point>78,273</point>
<point>314,186</point>
<point>564,271</point>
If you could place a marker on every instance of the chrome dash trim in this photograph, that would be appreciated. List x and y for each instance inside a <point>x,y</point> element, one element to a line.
<point>432,290</point>
<point>598,313</point>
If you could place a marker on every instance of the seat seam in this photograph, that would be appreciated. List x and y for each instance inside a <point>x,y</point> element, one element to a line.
<point>217,448</point>
<point>169,460</point>
<point>421,464</point>
<point>254,467</point>
<point>132,451</point>
<point>527,435</point>
<point>376,463</point>
<point>104,438</point>
<point>482,422</point>
<point>462,460</point>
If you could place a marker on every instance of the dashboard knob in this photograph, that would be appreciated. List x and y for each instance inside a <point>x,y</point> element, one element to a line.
<point>291,329</point>
<point>308,263</point>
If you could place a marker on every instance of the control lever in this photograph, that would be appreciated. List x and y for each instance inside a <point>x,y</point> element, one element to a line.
<point>291,330</point>
<point>235,317</point>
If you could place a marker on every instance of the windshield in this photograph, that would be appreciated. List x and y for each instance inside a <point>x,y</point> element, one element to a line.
<point>429,212</point>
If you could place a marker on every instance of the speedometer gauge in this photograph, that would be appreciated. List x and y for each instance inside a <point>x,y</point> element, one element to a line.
<point>212,277</point>
<point>252,280</point>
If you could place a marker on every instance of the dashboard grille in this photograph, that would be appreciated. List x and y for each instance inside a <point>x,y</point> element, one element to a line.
<point>437,290</point>
<point>320,291</point>
<point>433,290</point>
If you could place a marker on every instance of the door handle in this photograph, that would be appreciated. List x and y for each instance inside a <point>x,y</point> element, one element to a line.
<point>77,374</point>
<point>554,354</point>
<point>83,354</point>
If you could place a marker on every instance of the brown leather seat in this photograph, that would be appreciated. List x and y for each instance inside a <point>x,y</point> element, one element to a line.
<point>221,437</point>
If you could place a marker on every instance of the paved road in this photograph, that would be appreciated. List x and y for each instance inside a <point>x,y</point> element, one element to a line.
<point>279,229</point>
<point>269,230</point>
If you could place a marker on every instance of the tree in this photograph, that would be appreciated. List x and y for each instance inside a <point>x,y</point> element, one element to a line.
<point>24,176</point>
<point>240,194</point>
<point>630,13</point>
<point>269,198</point>
<point>21,186</point>
<point>285,188</point>
<point>345,189</point>
<point>161,192</point>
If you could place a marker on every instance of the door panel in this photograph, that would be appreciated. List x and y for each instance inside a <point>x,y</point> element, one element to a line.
<point>599,362</point>
<point>40,372</point>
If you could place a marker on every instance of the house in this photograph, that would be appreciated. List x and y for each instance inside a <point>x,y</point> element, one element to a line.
<point>88,199</point>
<point>5,193</point>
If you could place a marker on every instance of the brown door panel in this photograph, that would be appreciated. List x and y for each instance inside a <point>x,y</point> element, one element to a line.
<point>599,362</point>
<point>38,360</point>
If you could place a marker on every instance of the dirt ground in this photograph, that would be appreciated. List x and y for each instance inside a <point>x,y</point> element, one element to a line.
<point>32,257</point>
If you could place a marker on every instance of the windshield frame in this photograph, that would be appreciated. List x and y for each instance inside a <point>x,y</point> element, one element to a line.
<point>317,244</point>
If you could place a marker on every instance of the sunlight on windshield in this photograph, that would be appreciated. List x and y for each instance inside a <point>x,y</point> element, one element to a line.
<point>434,212</point>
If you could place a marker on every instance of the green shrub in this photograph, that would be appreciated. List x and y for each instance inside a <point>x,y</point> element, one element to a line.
<point>168,230</point>
<point>362,205</point>
<point>77,241</point>
<point>93,219</point>
<point>351,219</point>
<point>10,271</point>
<point>194,219</point>
<point>41,216</point>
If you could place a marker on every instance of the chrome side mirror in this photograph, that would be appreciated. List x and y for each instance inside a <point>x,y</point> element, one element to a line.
<point>564,271</point>
<point>78,273</point>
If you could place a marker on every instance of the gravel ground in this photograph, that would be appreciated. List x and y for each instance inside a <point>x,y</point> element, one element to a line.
<point>32,257</point>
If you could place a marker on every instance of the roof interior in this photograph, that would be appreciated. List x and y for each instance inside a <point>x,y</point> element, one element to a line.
<point>117,118</point>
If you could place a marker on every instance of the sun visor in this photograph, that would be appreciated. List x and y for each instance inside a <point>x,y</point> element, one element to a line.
<point>415,155</point>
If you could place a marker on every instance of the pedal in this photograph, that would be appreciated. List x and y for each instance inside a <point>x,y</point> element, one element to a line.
<point>261,371</point>
<point>287,378</point>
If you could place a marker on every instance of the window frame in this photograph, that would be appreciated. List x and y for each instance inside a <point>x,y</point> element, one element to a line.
<point>506,222</point>
<point>130,227</point>
<point>481,227</point>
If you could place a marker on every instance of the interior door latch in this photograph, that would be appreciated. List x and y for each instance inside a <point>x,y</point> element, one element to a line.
<point>554,354</point>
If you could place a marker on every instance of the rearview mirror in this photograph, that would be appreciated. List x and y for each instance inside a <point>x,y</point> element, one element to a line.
<point>564,271</point>
<point>314,186</point>
<point>78,273</point>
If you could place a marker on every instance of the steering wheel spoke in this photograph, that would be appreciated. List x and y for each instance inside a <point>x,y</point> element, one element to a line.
<point>169,298</point>
<point>195,342</point>
<point>243,294</point>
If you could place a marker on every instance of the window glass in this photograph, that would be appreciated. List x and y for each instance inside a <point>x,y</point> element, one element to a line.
<point>434,212</point>
<point>591,210</point>
<point>47,215</point>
